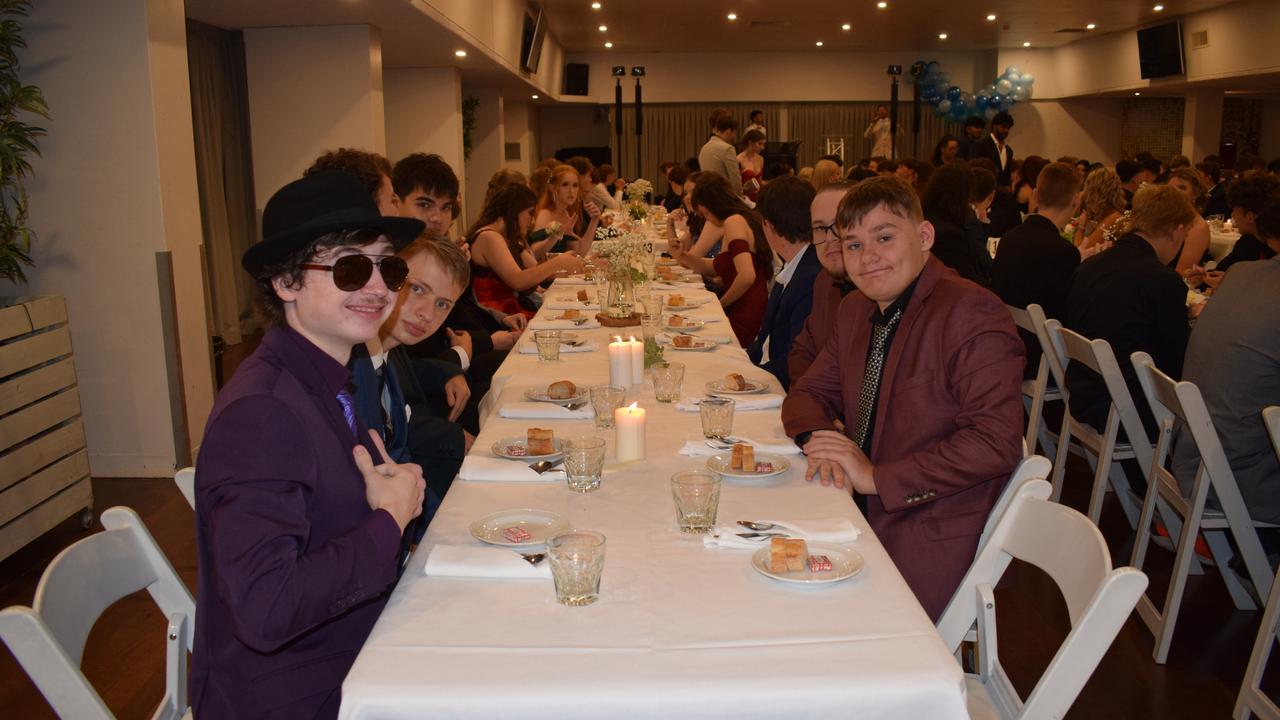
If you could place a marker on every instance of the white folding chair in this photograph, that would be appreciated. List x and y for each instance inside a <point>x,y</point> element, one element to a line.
<point>1251,699</point>
<point>1174,402</point>
<point>1036,392</point>
<point>48,638</point>
<point>185,479</point>
<point>1100,449</point>
<point>1098,598</point>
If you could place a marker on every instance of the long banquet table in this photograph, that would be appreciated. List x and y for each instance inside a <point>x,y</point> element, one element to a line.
<point>679,630</point>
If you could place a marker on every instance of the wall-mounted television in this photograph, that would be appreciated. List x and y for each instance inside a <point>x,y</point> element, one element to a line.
<point>1160,50</point>
<point>535,28</point>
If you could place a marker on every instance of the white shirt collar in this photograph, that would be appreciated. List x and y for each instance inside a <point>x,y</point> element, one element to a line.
<point>789,267</point>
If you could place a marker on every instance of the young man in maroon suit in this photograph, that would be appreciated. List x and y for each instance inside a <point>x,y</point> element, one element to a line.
<point>924,369</point>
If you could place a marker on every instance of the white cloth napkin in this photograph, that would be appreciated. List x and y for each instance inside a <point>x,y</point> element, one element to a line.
<point>664,338</point>
<point>531,348</point>
<point>549,324</point>
<point>763,401</point>
<point>570,305</point>
<point>681,284</point>
<point>831,529</point>
<point>480,468</point>
<point>460,561</point>
<point>779,446</point>
<point>544,411</point>
<point>574,281</point>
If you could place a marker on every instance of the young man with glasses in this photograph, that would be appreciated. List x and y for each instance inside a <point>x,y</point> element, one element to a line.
<point>299,514</point>
<point>829,286</point>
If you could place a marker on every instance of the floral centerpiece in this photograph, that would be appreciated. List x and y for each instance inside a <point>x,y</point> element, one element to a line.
<point>636,191</point>
<point>611,232</point>
<point>627,255</point>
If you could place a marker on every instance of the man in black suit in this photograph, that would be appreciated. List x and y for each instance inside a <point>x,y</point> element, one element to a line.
<point>974,127</point>
<point>1217,202</point>
<point>784,205</point>
<point>994,147</point>
<point>1033,262</point>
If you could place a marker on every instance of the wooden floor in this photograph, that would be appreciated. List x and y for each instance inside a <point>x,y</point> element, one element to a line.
<point>125,653</point>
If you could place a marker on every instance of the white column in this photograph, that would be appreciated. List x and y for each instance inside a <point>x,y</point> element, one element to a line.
<point>1202,123</point>
<point>424,113</point>
<point>487,139</point>
<point>311,90</point>
<point>114,186</point>
<point>519,130</point>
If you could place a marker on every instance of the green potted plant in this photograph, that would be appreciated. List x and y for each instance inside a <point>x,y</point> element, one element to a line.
<point>18,142</point>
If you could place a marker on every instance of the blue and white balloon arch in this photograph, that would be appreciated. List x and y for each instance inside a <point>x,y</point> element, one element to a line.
<point>949,101</point>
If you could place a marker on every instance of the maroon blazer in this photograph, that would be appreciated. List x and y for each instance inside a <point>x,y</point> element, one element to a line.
<point>948,427</point>
<point>817,327</point>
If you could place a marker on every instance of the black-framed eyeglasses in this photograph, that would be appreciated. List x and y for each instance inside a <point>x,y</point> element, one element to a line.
<point>823,233</point>
<point>352,272</point>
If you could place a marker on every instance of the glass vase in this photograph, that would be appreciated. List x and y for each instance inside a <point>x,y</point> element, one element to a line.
<point>622,293</point>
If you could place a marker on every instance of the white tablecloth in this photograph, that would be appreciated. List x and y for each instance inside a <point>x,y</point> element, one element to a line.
<point>680,630</point>
<point>1221,243</point>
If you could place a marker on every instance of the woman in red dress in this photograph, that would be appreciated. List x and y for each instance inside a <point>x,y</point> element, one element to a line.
<point>744,263</point>
<point>502,265</point>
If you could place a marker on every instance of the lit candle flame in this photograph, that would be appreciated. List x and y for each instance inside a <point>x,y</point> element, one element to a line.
<point>632,406</point>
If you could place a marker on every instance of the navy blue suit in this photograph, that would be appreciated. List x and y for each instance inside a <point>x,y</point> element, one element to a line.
<point>784,316</point>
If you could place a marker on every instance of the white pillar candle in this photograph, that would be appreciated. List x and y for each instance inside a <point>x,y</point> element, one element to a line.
<point>629,433</point>
<point>636,349</point>
<point>619,363</point>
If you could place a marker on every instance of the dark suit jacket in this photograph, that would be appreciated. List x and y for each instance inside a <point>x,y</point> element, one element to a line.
<point>1247,249</point>
<point>784,316</point>
<point>368,398</point>
<point>986,147</point>
<point>1034,265</point>
<point>817,327</point>
<point>434,442</point>
<point>953,245</point>
<point>948,429</point>
<point>293,565</point>
<point>1217,203</point>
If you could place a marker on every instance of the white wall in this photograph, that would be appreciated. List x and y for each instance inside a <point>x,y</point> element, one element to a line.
<point>1086,128</point>
<point>486,149</point>
<point>495,27</point>
<point>520,127</point>
<point>115,185</point>
<point>424,113</point>
<point>311,89</point>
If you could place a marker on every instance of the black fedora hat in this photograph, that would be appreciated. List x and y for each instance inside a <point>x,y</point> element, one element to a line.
<point>316,205</point>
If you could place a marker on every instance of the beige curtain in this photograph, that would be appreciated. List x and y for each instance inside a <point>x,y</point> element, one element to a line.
<point>220,119</point>
<point>676,131</point>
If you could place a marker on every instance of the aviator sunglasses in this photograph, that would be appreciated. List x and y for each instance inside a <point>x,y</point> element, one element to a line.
<point>352,272</point>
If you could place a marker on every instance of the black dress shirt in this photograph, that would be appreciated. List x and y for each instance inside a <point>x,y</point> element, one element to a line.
<point>879,317</point>
<point>1034,265</point>
<point>1127,297</point>
<point>1246,249</point>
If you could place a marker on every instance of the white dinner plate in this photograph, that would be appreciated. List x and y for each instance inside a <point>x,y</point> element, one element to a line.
<point>502,449</point>
<point>681,308</point>
<point>845,563</point>
<point>718,387</point>
<point>540,524</point>
<point>542,396</point>
<point>698,345</point>
<point>723,464</point>
<point>693,324</point>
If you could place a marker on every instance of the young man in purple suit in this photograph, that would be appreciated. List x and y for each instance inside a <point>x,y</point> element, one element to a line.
<point>924,368</point>
<point>299,514</point>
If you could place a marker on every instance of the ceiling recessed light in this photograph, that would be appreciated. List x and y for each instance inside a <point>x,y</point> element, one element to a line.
<point>1090,26</point>
<point>1158,8</point>
<point>991,17</point>
<point>608,44</point>
<point>595,6</point>
<point>603,28</point>
<point>846,26</point>
<point>1137,93</point>
<point>882,5</point>
<point>732,16</point>
<point>1026,44</point>
<point>535,97</point>
<point>460,53</point>
<point>819,43</point>
<point>942,36</point>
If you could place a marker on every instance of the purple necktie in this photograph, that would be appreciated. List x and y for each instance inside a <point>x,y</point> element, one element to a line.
<point>348,410</point>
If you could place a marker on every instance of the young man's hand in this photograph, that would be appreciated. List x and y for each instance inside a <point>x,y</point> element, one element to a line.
<point>394,487</point>
<point>456,393</point>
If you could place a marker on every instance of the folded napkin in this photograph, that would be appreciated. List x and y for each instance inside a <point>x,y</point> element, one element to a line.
<point>682,284</point>
<point>664,338</point>
<point>549,324</point>
<point>574,281</point>
<point>832,529</point>
<point>494,563</point>
<point>763,401</point>
<point>569,305</point>
<point>531,348</point>
<point>779,446</point>
<point>544,411</point>
<point>480,468</point>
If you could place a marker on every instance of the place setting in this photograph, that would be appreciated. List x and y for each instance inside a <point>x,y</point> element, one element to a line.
<point>559,400</point>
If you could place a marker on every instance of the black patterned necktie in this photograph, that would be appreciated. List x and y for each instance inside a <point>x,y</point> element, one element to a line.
<point>871,376</point>
<point>384,400</point>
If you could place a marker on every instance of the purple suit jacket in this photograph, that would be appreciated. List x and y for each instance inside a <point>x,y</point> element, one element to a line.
<point>294,567</point>
<point>817,326</point>
<point>948,427</point>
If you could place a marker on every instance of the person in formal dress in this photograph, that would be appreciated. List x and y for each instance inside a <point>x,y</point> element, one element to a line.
<point>995,148</point>
<point>1024,185</point>
<point>945,203</point>
<point>1196,247</point>
<point>825,171</point>
<point>674,199</point>
<point>558,224</point>
<point>502,263</point>
<point>1233,356</point>
<point>1216,203</point>
<point>925,369</point>
<point>829,287</point>
<point>1131,176</point>
<point>784,209</point>
<point>947,149</point>
<point>974,128</point>
<point>743,265</point>
<point>1034,263</point>
<point>1102,205</point>
<point>880,132</point>
<point>756,118</point>
<point>606,188</point>
<point>718,154</point>
<point>372,169</point>
<point>299,514</point>
<point>1247,198</point>
<point>1130,297</point>
<point>751,163</point>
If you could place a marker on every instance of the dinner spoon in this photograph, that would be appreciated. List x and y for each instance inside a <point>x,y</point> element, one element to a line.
<point>534,558</point>
<point>757,526</point>
<point>544,465</point>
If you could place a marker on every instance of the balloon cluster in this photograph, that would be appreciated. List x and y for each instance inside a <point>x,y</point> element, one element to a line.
<point>1010,88</point>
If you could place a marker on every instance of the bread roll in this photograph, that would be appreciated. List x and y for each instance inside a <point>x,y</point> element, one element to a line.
<point>561,390</point>
<point>675,300</point>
